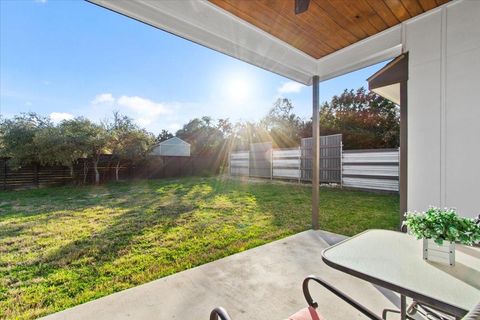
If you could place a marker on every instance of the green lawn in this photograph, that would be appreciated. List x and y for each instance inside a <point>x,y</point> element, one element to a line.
<point>63,246</point>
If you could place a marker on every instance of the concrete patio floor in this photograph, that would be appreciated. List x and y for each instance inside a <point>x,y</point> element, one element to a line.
<point>260,283</point>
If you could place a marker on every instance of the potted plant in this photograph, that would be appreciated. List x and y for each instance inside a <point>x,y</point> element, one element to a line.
<point>440,229</point>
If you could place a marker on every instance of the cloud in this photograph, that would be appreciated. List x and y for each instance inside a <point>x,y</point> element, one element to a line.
<point>145,107</point>
<point>103,98</point>
<point>59,116</point>
<point>28,103</point>
<point>147,113</point>
<point>40,1</point>
<point>290,87</point>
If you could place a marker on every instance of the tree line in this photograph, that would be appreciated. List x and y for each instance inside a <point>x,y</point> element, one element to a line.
<point>365,119</point>
<point>30,138</point>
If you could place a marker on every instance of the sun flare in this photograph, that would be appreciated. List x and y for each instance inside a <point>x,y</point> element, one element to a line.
<point>238,89</point>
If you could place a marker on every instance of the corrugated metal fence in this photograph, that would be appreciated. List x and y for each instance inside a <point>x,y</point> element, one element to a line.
<point>296,163</point>
<point>286,163</point>
<point>359,169</point>
<point>240,163</point>
<point>261,160</point>
<point>375,169</point>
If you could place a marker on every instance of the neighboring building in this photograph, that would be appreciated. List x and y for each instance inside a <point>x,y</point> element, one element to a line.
<point>174,147</point>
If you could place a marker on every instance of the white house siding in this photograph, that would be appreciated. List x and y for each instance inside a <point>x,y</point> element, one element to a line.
<point>444,108</point>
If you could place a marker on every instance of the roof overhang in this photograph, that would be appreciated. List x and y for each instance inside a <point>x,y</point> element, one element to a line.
<point>211,26</point>
<point>386,81</point>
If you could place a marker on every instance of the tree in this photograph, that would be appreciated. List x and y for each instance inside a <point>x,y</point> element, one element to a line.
<point>90,140</point>
<point>127,141</point>
<point>18,138</point>
<point>365,119</point>
<point>163,135</point>
<point>52,148</point>
<point>282,124</point>
<point>76,143</point>
<point>203,136</point>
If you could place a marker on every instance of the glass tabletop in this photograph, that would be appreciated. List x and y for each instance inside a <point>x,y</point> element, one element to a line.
<point>394,260</point>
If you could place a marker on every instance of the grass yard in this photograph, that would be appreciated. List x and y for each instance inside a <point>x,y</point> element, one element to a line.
<point>63,246</point>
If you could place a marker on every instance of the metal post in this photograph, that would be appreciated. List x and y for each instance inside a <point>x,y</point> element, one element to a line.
<point>341,164</point>
<point>315,151</point>
<point>403,189</point>
<point>299,164</point>
<point>403,307</point>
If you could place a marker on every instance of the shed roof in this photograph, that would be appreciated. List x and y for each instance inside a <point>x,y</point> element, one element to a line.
<point>174,140</point>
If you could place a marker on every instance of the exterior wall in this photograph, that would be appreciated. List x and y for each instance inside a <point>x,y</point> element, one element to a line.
<point>444,108</point>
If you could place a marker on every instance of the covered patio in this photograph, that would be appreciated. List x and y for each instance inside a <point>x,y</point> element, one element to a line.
<point>438,44</point>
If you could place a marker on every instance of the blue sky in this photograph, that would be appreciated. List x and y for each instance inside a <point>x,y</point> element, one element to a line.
<point>71,58</point>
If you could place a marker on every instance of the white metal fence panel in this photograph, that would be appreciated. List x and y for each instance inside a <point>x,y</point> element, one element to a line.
<point>371,184</point>
<point>286,163</point>
<point>362,169</point>
<point>383,156</point>
<point>371,169</point>
<point>240,163</point>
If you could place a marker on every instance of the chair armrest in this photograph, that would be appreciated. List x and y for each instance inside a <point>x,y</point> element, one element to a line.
<point>219,313</point>
<point>338,293</point>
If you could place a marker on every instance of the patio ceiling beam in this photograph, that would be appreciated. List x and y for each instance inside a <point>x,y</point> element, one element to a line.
<point>218,28</point>
<point>206,24</point>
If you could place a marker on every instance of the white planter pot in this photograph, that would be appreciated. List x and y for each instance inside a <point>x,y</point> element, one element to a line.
<point>441,253</point>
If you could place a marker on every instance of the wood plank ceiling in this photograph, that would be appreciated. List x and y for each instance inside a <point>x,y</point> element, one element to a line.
<point>327,25</point>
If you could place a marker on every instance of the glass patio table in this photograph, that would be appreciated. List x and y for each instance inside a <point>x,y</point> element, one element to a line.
<point>394,261</point>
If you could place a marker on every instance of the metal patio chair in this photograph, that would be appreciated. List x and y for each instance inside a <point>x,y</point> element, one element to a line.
<point>311,312</point>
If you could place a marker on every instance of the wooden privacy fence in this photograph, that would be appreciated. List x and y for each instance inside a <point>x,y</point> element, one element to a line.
<point>154,167</point>
<point>375,169</point>
<point>32,176</point>
<point>158,167</point>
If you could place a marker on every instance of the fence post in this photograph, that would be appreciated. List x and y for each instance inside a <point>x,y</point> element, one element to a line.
<point>299,164</point>
<point>341,164</point>
<point>248,163</point>
<point>5,174</point>
<point>271,163</point>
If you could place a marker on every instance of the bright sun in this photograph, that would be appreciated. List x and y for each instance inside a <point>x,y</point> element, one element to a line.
<point>237,88</point>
